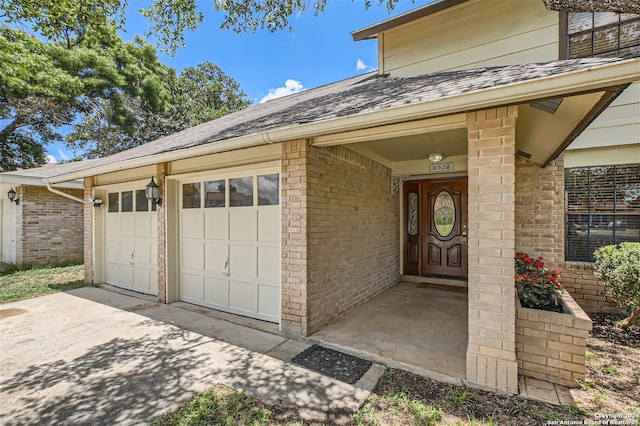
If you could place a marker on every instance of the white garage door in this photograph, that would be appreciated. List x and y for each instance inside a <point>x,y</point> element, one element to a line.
<point>230,243</point>
<point>131,240</point>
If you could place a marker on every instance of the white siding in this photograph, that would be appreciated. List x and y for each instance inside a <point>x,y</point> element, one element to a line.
<point>617,125</point>
<point>474,34</point>
<point>8,231</point>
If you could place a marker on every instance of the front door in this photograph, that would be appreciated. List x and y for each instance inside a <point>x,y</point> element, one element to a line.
<point>436,227</point>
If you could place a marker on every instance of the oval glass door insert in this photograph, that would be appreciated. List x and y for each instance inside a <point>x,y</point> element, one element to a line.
<point>444,214</point>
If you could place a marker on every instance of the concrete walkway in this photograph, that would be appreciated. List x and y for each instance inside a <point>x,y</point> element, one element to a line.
<point>91,356</point>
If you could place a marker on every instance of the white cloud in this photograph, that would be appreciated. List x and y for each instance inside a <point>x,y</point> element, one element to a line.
<point>290,86</point>
<point>51,159</point>
<point>361,65</point>
<point>62,155</point>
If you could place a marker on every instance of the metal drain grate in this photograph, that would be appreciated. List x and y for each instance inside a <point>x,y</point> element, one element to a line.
<point>343,367</point>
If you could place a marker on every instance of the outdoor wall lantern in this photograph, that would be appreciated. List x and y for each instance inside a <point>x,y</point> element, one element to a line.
<point>436,157</point>
<point>153,193</point>
<point>12,196</point>
<point>97,202</point>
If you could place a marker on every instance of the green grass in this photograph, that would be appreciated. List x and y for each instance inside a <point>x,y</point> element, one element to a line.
<point>219,406</point>
<point>19,285</point>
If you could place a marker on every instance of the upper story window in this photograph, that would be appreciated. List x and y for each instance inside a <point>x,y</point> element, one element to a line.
<point>603,34</point>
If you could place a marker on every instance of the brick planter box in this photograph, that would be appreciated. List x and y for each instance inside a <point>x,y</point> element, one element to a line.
<point>551,346</point>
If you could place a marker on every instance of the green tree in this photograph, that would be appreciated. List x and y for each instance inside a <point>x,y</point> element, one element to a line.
<point>46,86</point>
<point>69,21</point>
<point>195,96</point>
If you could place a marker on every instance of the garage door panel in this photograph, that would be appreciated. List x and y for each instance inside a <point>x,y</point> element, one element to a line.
<point>141,279</point>
<point>125,275</point>
<point>269,300</point>
<point>242,296</point>
<point>216,224</point>
<point>192,255</point>
<point>142,253</point>
<point>113,225</point>
<point>269,262</point>
<point>243,224</point>
<point>192,288</point>
<point>269,224</point>
<point>215,257</point>
<point>242,260</point>
<point>142,225</point>
<point>216,291</point>
<point>192,224</point>
<point>127,224</point>
<point>240,253</point>
<point>113,251</point>
<point>127,252</point>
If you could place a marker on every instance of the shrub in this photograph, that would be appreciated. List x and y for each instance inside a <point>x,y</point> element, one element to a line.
<point>537,287</point>
<point>619,267</point>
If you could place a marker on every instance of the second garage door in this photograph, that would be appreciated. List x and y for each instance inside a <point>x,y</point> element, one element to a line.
<point>230,243</point>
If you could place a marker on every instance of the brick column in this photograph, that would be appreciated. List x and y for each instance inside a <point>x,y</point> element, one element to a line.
<point>294,309</point>
<point>491,352</point>
<point>88,230</point>
<point>161,173</point>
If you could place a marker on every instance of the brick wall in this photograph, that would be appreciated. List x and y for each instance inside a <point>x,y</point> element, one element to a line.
<point>491,353</point>
<point>340,240</point>
<point>353,244</point>
<point>293,204</point>
<point>161,173</point>
<point>551,346</point>
<point>49,227</point>
<point>540,208</point>
<point>578,279</point>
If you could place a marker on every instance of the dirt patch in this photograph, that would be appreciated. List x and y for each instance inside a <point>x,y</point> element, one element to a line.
<point>11,312</point>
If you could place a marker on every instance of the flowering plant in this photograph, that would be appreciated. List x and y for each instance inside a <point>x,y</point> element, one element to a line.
<point>537,287</point>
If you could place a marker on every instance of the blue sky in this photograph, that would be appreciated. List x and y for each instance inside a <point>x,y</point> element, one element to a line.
<point>320,50</point>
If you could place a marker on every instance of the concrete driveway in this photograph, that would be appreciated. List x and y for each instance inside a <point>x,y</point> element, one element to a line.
<point>90,356</point>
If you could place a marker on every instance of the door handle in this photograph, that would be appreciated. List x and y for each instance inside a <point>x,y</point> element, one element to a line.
<point>464,233</point>
<point>226,267</point>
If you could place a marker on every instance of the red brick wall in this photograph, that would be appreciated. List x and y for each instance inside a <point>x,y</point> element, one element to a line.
<point>50,228</point>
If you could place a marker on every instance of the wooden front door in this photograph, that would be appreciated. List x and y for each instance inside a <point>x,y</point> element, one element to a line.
<point>435,217</point>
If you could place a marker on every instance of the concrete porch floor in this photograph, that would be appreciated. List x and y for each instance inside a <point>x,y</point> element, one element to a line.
<point>413,326</point>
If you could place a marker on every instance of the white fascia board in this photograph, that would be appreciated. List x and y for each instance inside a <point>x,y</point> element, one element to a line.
<point>598,77</point>
<point>36,181</point>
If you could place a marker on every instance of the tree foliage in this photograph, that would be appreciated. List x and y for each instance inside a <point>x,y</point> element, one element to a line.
<point>619,267</point>
<point>69,21</point>
<point>100,95</point>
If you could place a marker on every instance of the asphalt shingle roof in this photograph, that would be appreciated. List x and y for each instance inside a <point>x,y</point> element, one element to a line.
<point>350,97</point>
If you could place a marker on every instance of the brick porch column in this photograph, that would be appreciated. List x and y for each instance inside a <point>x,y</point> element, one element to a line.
<point>161,173</point>
<point>293,305</point>
<point>491,352</point>
<point>88,230</point>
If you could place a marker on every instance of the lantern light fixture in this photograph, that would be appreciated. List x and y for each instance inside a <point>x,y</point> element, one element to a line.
<point>152,192</point>
<point>12,196</point>
<point>436,157</point>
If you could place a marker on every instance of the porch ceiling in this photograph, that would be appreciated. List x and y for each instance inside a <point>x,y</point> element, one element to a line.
<point>540,134</point>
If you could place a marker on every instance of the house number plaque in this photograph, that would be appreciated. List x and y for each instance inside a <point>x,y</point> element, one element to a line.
<point>441,167</point>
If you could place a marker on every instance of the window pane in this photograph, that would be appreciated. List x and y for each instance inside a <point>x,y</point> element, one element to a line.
<point>630,34</point>
<point>214,193</point>
<point>241,191</point>
<point>114,199</point>
<point>580,21</point>
<point>605,40</point>
<point>127,201</point>
<point>269,190</point>
<point>604,18</point>
<point>142,204</point>
<point>191,195</point>
<point>603,207</point>
<point>580,46</point>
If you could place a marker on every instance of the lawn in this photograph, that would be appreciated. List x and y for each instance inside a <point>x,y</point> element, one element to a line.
<point>402,398</point>
<point>35,282</point>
